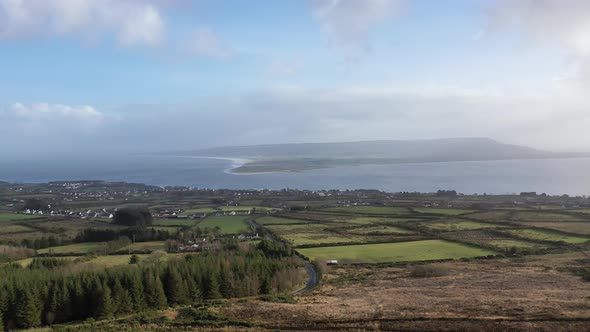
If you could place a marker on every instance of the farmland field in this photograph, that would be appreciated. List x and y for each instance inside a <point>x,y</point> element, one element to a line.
<point>459,225</point>
<point>506,244</point>
<point>543,235</point>
<point>16,217</point>
<point>448,212</point>
<point>582,228</point>
<point>7,229</point>
<point>396,252</point>
<point>227,224</point>
<point>491,215</point>
<point>379,229</point>
<point>174,222</point>
<point>541,216</point>
<point>376,210</point>
<point>144,246</point>
<point>278,221</point>
<point>313,234</point>
<point>77,248</point>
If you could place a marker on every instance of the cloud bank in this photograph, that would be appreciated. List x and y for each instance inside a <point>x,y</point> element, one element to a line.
<point>134,22</point>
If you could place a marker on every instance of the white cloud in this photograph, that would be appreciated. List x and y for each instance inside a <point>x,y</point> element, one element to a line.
<point>552,24</point>
<point>204,42</point>
<point>348,22</point>
<point>43,117</point>
<point>134,22</point>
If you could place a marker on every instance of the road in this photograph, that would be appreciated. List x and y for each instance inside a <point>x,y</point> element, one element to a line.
<point>311,271</point>
<point>313,279</point>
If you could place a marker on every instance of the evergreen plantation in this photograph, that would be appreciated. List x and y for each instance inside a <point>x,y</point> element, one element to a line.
<point>47,292</point>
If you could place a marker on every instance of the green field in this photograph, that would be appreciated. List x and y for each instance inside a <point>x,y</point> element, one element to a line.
<point>373,220</point>
<point>459,225</point>
<point>227,224</point>
<point>492,215</point>
<point>542,216</point>
<point>396,252</point>
<point>77,248</point>
<point>7,229</point>
<point>308,234</point>
<point>582,228</point>
<point>543,235</point>
<point>379,229</point>
<point>16,216</point>
<point>376,210</point>
<point>446,212</point>
<point>174,222</point>
<point>506,244</point>
<point>279,221</point>
<point>145,246</point>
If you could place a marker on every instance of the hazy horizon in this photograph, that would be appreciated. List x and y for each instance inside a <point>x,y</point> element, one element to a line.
<point>135,76</point>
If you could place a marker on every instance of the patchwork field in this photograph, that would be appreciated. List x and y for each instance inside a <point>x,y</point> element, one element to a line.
<point>491,216</point>
<point>226,224</point>
<point>280,221</point>
<point>542,216</point>
<point>74,249</point>
<point>313,234</point>
<point>458,225</point>
<point>381,229</point>
<point>425,250</point>
<point>174,222</point>
<point>448,212</point>
<point>145,247</point>
<point>376,210</point>
<point>543,235</point>
<point>582,228</point>
<point>16,216</point>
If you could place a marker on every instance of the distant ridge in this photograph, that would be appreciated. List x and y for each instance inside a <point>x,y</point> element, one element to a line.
<point>303,156</point>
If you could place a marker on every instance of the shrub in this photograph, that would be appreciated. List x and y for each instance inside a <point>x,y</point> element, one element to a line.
<point>428,271</point>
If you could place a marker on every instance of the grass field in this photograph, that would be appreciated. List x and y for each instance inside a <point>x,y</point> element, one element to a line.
<point>491,215</point>
<point>381,229</point>
<point>174,222</point>
<point>279,221</point>
<point>396,252</point>
<point>506,244</point>
<point>227,224</point>
<point>375,210</point>
<point>373,220</point>
<point>582,228</point>
<point>77,248</point>
<point>542,235</point>
<point>459,225</point>
<point>7,229</point>
<point>145,246</point>
<point>308,234</point>
<point>447,212</point>
<point>16,217</point>
<point>541,216</point>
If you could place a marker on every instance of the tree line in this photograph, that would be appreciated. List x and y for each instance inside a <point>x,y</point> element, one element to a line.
<point>46,295</point>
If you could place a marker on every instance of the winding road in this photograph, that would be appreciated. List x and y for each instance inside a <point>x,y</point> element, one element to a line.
<point>313,280</point>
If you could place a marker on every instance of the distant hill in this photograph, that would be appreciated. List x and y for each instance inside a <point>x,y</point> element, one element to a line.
<point>296,157</point>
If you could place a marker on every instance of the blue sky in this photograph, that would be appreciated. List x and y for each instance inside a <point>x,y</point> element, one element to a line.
<point>140,75</point>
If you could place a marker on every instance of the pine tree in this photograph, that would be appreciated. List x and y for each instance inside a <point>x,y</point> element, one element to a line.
<point>27,313</point>
<point>80,308</point>
<point>210,286</point>
<point>121,299</point>
<point>105,307</point>
<point>51,308</point>
<point>175,288</point>
<point>155,295</point>
<point>135,287</point>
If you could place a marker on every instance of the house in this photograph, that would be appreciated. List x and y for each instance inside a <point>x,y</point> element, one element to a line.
<point>332,262</point>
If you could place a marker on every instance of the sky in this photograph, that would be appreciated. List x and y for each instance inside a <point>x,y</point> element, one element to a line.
<point>79,76</point>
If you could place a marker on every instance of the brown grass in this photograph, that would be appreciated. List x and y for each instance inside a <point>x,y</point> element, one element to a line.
<point>528,294</point>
